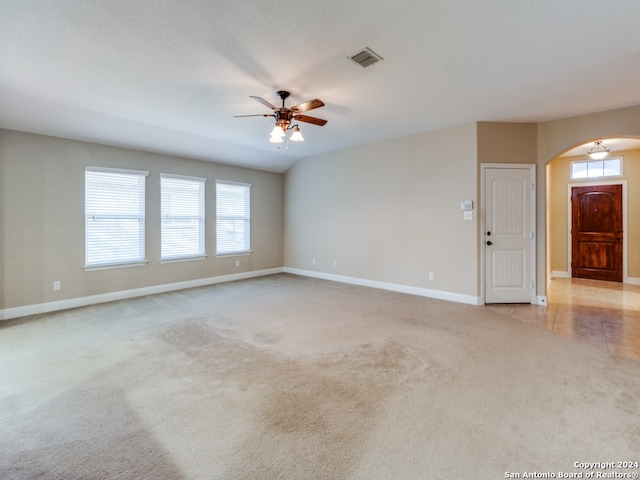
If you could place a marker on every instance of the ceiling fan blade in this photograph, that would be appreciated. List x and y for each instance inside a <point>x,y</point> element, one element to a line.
<point>306,106</point>
<point>264,102</point>
<point>259,115</point>
<point>308,119</point>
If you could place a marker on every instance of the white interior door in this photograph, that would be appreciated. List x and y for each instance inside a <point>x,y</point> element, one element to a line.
<point>509,195</point>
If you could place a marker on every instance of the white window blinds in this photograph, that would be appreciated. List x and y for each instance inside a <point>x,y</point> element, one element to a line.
<point>114,216</point>
<point>182,212</point>
<point>232,218</point>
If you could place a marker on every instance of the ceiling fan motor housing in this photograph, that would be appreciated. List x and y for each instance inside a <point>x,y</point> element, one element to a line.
<point>283,117</point>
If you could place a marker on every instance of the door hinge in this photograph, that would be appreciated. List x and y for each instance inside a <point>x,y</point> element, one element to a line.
<point>533,284</point>
<point>530,235</point>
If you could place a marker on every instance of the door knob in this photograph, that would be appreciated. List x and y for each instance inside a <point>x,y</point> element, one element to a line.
<point>489,242</point>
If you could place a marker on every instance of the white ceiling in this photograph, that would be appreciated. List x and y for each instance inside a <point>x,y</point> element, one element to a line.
<point>168,76</point>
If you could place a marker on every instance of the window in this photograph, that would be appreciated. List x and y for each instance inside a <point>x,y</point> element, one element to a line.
<point>232,214</point>
<point>114,216</point>
<point>182,212</point>
<point>610,167</point>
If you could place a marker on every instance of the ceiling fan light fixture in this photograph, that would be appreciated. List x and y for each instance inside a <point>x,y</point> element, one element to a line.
<point>296,136</point>
<point>277,132</point>
<point>598,151</point>
<point>276,139</point>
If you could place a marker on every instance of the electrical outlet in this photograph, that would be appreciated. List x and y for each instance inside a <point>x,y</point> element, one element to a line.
<point>335,264</point>
<point>313,261</point>
<point>57,285</point>
<point>237,263</point>
<point>432,276</point>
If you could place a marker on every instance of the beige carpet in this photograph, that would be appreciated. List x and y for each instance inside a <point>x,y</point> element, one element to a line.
<point>284,377</point>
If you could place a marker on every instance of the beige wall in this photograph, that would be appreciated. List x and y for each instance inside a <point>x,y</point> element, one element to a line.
<point>388,212</point>
<point>42,217</point>
<point>342,192</point>
<point>507,142</point>
<point>558,209</point>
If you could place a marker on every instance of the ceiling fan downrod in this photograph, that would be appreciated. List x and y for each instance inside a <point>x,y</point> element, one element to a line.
<point>283,95</point>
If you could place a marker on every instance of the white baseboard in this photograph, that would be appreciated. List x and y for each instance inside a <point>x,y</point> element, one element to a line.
<point>394,287</point>
<point>16,312</point>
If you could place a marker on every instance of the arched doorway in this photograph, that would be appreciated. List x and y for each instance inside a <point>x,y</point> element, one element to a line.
<point>601,312</point>
<point>574,168</point>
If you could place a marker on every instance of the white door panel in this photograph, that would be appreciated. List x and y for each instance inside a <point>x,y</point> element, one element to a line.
<point>508,236</point>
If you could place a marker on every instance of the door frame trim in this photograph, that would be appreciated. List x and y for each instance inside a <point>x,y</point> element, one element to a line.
<point>625,278</point>
<point>534,240</point>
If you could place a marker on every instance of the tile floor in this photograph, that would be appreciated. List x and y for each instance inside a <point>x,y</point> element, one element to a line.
<point>604,314</point>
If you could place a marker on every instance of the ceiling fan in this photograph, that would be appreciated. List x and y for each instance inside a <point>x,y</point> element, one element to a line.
<point>284,116</point>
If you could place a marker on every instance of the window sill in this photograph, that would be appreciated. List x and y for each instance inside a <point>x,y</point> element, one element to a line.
<point>110,266</point>
<point>183,259</point>
<point>233,254</point>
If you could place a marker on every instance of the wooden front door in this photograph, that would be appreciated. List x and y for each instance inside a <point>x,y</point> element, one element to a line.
<point>596,232</point>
